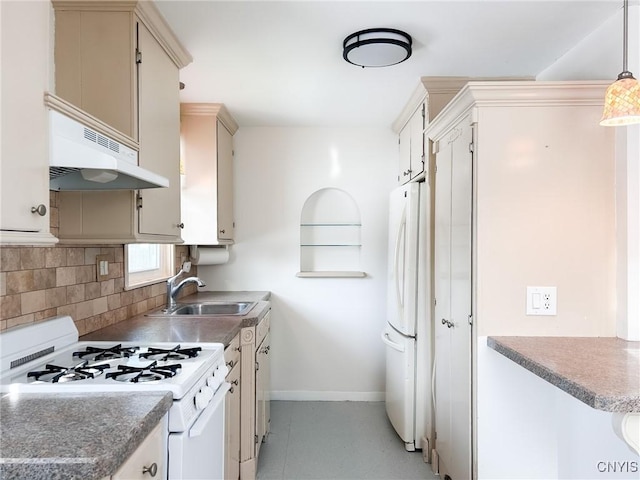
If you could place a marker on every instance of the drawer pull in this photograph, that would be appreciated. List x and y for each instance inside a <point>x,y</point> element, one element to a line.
<point>152,470</point>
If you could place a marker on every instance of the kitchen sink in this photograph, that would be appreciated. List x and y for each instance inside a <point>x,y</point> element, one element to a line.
<point>209,308</point>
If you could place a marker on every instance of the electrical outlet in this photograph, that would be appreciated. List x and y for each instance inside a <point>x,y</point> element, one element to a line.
<point>542,301</point>
<point>102,267</point>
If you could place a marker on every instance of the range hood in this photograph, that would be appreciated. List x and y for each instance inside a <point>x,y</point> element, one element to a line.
<point>81,158</point>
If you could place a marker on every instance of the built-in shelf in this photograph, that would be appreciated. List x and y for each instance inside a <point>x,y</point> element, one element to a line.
<point>330,231</point>
<point>339,274</point>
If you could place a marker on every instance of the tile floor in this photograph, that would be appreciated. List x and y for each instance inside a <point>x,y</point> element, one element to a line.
<point>338,441</point>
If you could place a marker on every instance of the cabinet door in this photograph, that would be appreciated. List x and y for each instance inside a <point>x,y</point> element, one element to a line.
<point>94,60</point>
<point>24,136</point>
<point>461,238</point>
<point>416,126</point>
<point>442,286</point>
<point>232,426</point>
<point>149,458</point>
<point>452,263</point>
<point>262,385</point>
<point>159,135</point>
<point>225,183</point>
<point>404,165</point>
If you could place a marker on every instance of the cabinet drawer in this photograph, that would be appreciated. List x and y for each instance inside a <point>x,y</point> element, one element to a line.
<point>149,457</point>
<point>232,353</point>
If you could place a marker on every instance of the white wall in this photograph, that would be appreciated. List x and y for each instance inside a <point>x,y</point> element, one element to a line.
<point>530,429</point>
<point>599,56</point>
<point>325,332</point>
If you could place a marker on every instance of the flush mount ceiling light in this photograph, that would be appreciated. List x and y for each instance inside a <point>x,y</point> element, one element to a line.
<point>622,100</point>
<point>377,47</point>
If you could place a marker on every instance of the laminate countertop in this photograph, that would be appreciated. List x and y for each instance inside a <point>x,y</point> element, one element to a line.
<point>152,327</point>
<point>602,372</point>
<point>74,436</point>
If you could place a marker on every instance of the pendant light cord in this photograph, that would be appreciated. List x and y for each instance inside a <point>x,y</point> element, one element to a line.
<point>625,42</point>
<point>625,34</point>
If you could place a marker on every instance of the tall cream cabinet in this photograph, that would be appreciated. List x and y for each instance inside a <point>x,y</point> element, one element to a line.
<point>206,131</point>
<point>24,154</point>
<point>524,196</point>
<point>119,62</point>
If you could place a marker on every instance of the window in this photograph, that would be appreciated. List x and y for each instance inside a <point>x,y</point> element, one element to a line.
<point>147,263</point>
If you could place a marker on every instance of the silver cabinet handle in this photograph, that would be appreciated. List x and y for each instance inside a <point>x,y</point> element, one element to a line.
<point>40,210</point>
<point>230,364</point>
<point>180,225</point>
<point>152,470</point>
<point>235,382</point>
<point>447,323</point>
<point>222,231</point>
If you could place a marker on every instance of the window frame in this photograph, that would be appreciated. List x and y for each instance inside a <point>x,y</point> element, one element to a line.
<point>165,258</point>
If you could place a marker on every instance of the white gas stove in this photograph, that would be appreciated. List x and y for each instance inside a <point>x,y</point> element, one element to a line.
<point>48,358</point>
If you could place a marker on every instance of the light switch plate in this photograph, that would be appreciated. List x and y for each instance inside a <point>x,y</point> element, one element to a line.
<point>542,301</point>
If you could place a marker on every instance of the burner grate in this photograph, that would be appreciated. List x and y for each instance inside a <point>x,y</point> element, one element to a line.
<point>117,351</point>
<point>148,373</point>
<point>56,374</point>
<point>175,353</point>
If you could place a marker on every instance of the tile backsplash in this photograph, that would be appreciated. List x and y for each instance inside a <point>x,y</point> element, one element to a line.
<point>37,283</point>
<point>40,282</point>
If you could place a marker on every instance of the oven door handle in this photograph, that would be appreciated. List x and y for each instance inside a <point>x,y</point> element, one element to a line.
<point>202,421</point>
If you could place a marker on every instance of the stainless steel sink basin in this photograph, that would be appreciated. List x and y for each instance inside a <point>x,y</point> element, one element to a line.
<point>211,308</point>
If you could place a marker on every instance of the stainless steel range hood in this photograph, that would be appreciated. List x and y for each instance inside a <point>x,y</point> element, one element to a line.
<point>82,158</point>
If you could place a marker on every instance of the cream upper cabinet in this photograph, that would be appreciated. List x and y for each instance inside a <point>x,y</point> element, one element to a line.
<point>120,63</point>
<point>24,168</point>
<point>524,195</point>
<point>207,173</point>
<point>431,95</point>
<point>411,147</point>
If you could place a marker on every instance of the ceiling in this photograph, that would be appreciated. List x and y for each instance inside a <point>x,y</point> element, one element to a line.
<point>280,63</point>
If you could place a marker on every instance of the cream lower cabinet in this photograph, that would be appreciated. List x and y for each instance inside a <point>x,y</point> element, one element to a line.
<point>149,460</point>
<point>206,131</point>
<point>24,145</point>
<point>254,391</point>
<point>263,401</point>
<point>524,195</point>
<point>120,63</point>
<point>232,412</point>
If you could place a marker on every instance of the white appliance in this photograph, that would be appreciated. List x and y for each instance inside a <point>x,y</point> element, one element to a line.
<point>81,158</point>
<point>47,357</point>
<point>407,335</point>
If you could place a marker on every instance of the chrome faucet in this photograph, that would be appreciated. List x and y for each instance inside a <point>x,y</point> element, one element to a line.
<point>173,289</point>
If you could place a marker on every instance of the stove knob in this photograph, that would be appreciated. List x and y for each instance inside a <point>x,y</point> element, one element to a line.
<point>214,382</point>
<point>207,391</point>
<point>201,400</point>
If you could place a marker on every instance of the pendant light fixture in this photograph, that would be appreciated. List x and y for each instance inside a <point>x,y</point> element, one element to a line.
<point>377,47</point>
<point>622,100</point>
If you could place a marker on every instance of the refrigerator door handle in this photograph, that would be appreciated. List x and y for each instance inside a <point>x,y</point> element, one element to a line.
<point>387,341</point>
<point>399,269</point>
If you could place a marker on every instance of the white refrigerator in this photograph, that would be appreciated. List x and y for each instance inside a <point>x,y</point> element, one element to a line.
<point>407,334</point>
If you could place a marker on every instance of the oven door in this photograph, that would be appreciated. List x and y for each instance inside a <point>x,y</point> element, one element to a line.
<point>198,453</point>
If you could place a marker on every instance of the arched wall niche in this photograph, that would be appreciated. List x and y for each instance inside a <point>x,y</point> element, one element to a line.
<point>330,235</point>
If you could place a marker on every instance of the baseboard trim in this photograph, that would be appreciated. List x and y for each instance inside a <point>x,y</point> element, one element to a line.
<point>328,396</point>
